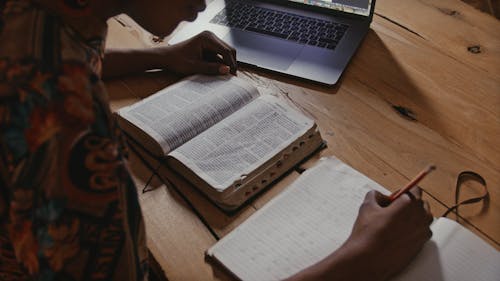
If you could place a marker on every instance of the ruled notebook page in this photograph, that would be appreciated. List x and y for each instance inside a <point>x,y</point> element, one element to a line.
<point>314,216</point>
<point>454,253</point>
<point>301,226</point>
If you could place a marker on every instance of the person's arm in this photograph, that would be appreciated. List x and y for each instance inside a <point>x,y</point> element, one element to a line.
<point>383,241</point>
<point>204,53</point>
<point>62,209</point>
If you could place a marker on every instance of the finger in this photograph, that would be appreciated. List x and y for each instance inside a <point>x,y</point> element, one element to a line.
<point>233,51</point>
<point>416,192</point>
<point>428,235</point>
<point>428,215</point>
<point>427,207</point>
<point>211,68</point>
<point>381,199</point>
<point>215,44</point>
<point>369,202</point>
<point>402,202</point>
<point>411,195</point>
<point>211,57</point>
<point>230,57</point>
<point>220,53</point>
<point>420,238</point>
<point>375,198</point>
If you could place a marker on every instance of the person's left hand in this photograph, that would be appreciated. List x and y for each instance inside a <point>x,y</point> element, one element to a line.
<point>205,53</point>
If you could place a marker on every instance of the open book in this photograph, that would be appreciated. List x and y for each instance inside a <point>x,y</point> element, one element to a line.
<point>222,135</point>
<point>314,216</point>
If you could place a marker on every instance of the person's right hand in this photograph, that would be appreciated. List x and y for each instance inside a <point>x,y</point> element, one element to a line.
<point>384,239</point>
<point>389,236</point>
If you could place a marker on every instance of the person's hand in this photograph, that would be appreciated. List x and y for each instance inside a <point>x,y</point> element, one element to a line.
<point>384,239</point>
<point>391,235</point>
<point>205,53</point>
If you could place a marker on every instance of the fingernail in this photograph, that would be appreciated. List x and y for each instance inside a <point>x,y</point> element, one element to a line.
<point>224,69</point>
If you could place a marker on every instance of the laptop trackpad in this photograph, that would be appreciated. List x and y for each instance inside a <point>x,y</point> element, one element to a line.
<point>262,50</point>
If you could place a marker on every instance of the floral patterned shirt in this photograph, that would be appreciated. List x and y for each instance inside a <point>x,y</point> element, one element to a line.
<point>68,206</point>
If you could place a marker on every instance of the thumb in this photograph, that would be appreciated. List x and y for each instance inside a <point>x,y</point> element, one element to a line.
<point>212,68</point>
<point>375,198</point>
<point>382,200</point>
<point>402,202</point>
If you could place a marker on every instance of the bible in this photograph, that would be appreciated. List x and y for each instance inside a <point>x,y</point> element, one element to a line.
<point>221,134</point>
<point>313,217</point>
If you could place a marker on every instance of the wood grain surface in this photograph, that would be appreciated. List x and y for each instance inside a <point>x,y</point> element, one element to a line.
<point>437,60</point>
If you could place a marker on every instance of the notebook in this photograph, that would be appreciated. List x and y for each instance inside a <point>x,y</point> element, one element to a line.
<point>314,216</point>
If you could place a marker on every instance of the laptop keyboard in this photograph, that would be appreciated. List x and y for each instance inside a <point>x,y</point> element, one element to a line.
<point>292,27</point>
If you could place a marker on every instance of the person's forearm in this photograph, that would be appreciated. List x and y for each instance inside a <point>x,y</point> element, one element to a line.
<point>118,62</point>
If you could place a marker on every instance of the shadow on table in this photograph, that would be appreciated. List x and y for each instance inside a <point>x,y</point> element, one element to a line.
<point>373,59</point>
<point>379,66</point>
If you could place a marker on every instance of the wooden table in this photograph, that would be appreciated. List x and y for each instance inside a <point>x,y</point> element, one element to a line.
<point>439,59</point>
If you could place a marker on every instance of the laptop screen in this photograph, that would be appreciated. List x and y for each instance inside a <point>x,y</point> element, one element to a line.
<point>359,7</point>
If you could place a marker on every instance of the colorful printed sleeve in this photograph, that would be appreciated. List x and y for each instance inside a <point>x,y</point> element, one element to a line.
<point>67,189</point>
<point>26,126</point>
<point>68,206</point>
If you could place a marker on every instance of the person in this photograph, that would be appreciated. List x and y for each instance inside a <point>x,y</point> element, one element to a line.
<point>68,205</point>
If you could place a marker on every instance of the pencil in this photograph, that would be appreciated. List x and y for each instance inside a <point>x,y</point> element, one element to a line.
<point>412,183</point>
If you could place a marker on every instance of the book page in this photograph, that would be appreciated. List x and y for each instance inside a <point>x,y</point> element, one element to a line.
<point>177,113</point>
<point>242,142</point>
<point>301,226</point>
<point>454,253</point>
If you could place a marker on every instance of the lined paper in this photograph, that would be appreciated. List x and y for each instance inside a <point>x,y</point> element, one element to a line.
<point>454,253</point>
<point>298,228</point>
<point>315,215</point>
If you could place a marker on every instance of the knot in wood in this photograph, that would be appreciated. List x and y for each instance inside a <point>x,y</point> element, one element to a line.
<point>405,112</point>
<point>476,49</point>
<point>449,12</point>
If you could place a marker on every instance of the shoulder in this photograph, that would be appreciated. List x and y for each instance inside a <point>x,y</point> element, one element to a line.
<point>48,82</point>
<point>21,28</point>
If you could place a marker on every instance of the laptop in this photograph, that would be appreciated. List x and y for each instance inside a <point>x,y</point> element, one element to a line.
<point>309,39</point>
